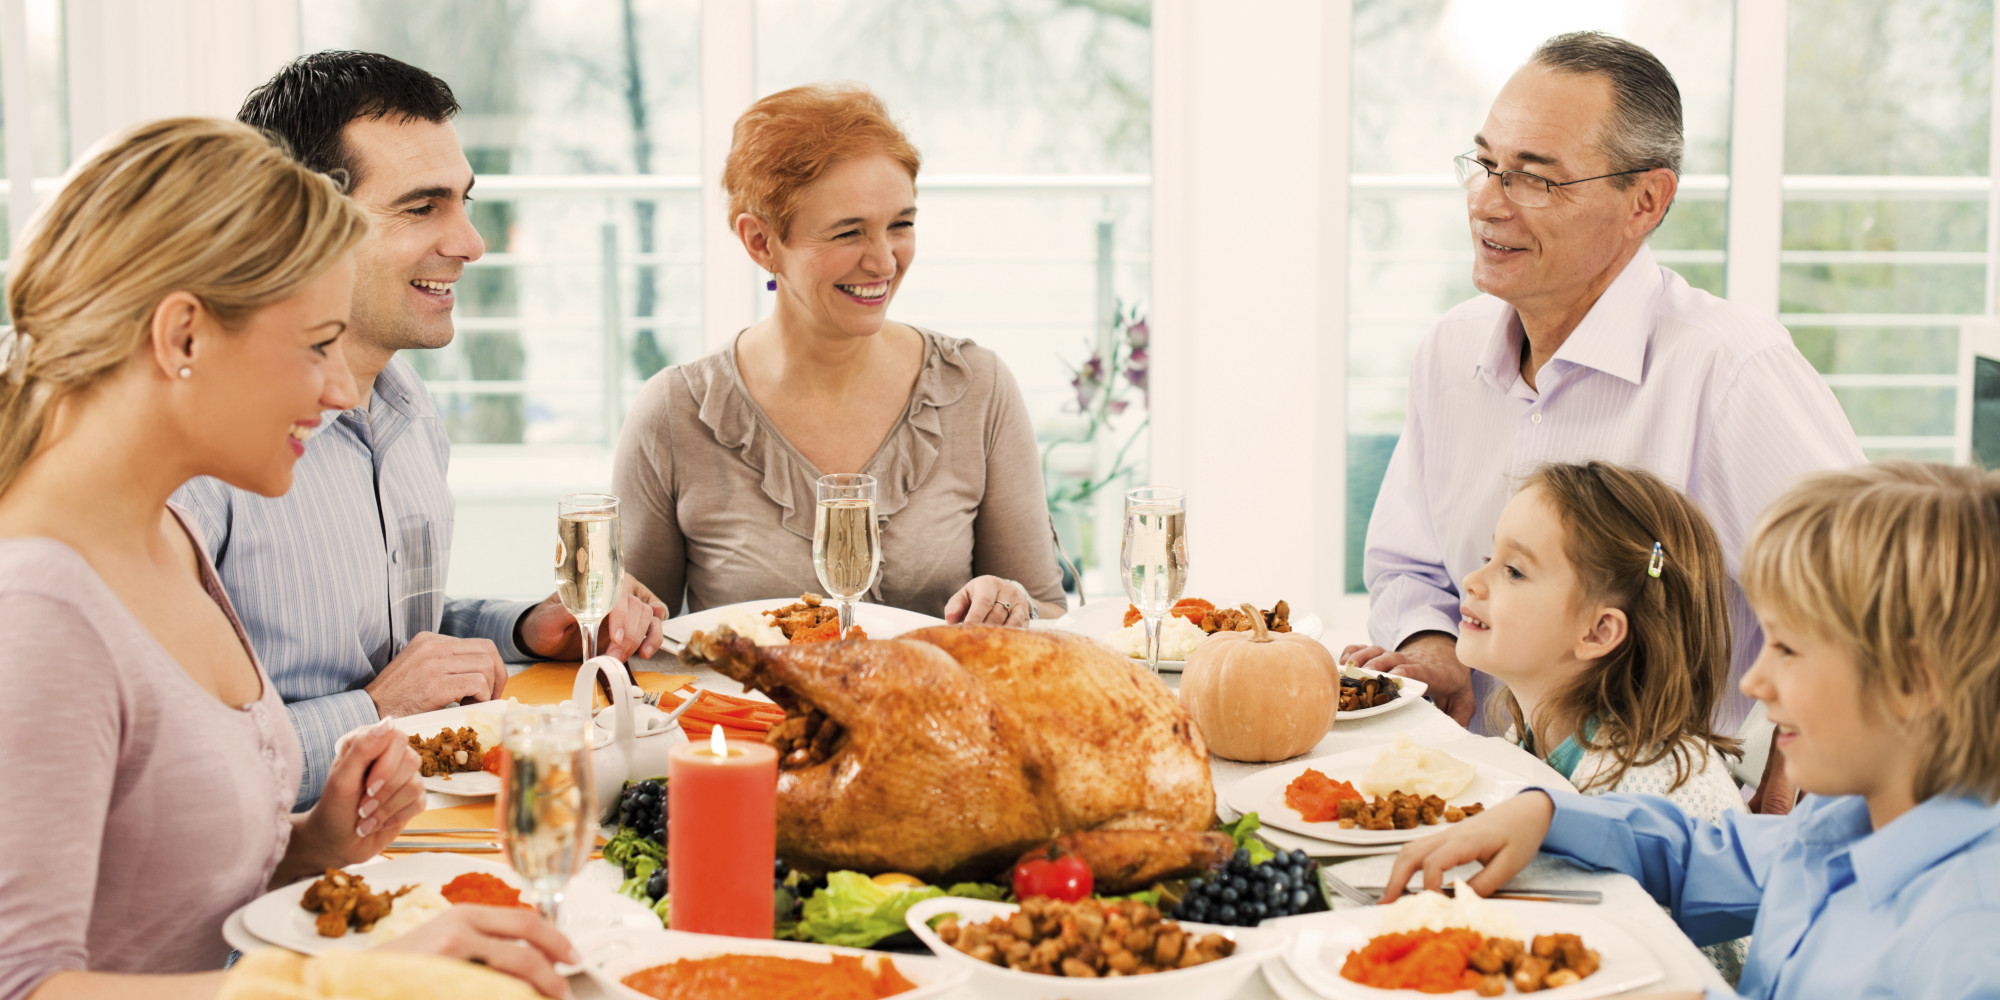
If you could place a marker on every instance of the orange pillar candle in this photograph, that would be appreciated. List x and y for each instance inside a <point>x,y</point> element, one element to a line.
<point>722,812</point>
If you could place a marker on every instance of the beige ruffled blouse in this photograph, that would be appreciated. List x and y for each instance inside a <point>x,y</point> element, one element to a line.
<point>717,506</point>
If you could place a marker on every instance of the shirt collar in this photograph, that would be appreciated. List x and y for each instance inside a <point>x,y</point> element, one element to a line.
<point>1886,861</point>
<point>1612,337</point>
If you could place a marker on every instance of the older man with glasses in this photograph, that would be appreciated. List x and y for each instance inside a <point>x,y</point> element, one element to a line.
<point>1583,347</point>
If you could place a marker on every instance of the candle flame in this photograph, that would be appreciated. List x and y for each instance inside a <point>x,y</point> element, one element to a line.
<point>717,743</point>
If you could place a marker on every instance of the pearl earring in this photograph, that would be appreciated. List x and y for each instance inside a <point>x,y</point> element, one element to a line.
<point>185,372</point>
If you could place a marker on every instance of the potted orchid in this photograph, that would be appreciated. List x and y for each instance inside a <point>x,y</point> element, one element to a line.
<point>1100,451</point>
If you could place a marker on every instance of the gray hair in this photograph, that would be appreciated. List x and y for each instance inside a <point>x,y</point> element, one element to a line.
<point>1644,132</point>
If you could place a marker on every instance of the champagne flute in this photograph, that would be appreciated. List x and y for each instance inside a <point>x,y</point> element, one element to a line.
<point>1153,559</point>
<point>545,798</point>
<point>847,544</point>
<point>589,560</point>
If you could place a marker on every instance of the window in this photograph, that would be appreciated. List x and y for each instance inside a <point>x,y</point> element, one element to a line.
<point>1424,76</point>
<point>1886,225</point>
<point>34,119</point>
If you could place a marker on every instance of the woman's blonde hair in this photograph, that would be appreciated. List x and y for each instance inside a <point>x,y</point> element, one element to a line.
<point>198,205</point>
<point>1900,562</point>
<point>1655,694</point>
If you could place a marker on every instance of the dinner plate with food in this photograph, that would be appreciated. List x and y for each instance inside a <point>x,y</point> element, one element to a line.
<point>777,621</point>
<point>1427,942</point>
<point>1365,693</point>
<point>632,964</point>
<point>1183,630</point>
<point>1044,949</point>
<point>366,905</point>
<point>457,748</point>
<point>1379,795</point>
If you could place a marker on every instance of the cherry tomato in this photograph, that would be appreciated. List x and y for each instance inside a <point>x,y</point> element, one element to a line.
<point>1055,875</point>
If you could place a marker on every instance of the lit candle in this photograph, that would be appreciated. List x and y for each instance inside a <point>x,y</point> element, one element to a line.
<point>722,817</point>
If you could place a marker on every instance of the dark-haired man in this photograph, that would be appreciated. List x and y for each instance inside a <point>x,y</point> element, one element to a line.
<point>339,583</point>
<point>1583,347</point>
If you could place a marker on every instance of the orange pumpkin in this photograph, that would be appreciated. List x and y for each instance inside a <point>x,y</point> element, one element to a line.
<point>1261,695</point>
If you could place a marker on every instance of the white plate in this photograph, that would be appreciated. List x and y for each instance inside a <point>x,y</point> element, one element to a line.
<point>1411,691</point>
<point>611,955</point>
<point>426,725</point>
<point>880,621</point>
<point>1106,615</point>
<point>1264,794</point>
<point>276,917</point>
<point>1214,979</point>
<point>1323,940</point>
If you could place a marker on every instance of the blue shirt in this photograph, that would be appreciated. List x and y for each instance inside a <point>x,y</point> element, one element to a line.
<point>1834,908</point>
<point>334,578</point>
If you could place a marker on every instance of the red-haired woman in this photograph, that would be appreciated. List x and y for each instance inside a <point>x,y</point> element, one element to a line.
<point>719,456</point>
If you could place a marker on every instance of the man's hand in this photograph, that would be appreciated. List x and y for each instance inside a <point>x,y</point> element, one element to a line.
<point>633,628</point>
<point>1502,839</point>
<point>435,671</point>
<point>1431,657</point>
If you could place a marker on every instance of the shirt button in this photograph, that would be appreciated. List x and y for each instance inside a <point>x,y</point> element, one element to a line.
<point>396,557</point>
<point>1537,418</point>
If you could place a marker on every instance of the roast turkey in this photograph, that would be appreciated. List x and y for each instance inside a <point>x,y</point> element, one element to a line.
<point>948,751</point>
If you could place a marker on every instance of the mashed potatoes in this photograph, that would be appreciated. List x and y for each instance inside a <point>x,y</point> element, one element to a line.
<point>1178,638</point>
<point>411,910</point>
<point>1436,911</point>
<point>1415,770</point>
<point>752,625</point>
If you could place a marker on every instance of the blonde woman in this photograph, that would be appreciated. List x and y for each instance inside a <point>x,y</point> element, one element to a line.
<point>178,311</point>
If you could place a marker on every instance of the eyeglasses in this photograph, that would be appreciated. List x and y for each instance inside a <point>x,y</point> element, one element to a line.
<point>1521,187</point>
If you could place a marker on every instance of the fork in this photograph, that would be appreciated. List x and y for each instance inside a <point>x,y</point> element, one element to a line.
<point>1345,890</point>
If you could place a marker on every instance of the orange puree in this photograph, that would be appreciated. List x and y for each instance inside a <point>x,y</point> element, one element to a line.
<point>479,887</point>
<point>1317,797</point>
<point>767,977</point>
<point>1426,961</point>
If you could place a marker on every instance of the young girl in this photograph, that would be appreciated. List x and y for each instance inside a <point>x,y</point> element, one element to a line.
<point>1602,609</point>
<point>1879,592</point>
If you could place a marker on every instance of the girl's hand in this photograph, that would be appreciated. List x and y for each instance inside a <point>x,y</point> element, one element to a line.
<point>514,941</point>
<point>372,792</point>
<point>1503,839</point>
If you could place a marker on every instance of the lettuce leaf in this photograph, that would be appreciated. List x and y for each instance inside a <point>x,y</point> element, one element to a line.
<point>1244,832</point>
<point>854,912</point>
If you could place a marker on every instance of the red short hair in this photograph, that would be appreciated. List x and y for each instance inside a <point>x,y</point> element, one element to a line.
<point>788,140</point>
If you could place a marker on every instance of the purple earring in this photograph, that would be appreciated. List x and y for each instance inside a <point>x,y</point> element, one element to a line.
<point>771,285</point>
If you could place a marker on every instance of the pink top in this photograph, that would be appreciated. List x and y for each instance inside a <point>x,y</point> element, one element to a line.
<point>136,810</point>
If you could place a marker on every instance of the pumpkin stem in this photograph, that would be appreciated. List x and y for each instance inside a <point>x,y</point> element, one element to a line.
<point>1260,632</point>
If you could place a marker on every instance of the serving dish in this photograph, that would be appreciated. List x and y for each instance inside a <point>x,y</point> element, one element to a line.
<point>1264,794</point>
<point>1320,943</point>
<point>1106,615</point>
<point>611,954</point>
<point>277,918</point>
<point>880,621</point>
<point>1220,978</point>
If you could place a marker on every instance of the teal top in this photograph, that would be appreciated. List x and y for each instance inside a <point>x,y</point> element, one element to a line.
<point>1569,754</point>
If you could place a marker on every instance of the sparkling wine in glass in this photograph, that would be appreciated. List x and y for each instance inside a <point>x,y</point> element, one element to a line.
<point>1153,560</point>
<point>545,798</point>
<point>589,560</point>
<point>847,544</point>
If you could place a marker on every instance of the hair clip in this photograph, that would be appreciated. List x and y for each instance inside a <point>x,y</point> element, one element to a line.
<point>1657,563</point>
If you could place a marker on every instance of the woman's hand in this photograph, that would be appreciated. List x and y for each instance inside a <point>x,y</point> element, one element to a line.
<point>514,941</point>
<point>989,600</point>
<point>1503,839</point>
<point>372,792</point>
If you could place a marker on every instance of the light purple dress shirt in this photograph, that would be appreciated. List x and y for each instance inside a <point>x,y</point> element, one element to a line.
<point>1710,397</point>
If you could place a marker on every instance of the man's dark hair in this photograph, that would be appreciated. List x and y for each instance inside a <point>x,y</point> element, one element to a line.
<point>313,98</point>
<point>1644,131</point>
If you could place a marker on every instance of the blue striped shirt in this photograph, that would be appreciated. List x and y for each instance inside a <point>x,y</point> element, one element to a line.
<point>334,578</point>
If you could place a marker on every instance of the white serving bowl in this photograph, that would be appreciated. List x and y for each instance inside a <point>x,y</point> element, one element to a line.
<point>1202,982</point>
<point>611,955</point>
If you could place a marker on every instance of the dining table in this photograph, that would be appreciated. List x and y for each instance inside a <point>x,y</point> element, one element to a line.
<point>1624,902</point>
